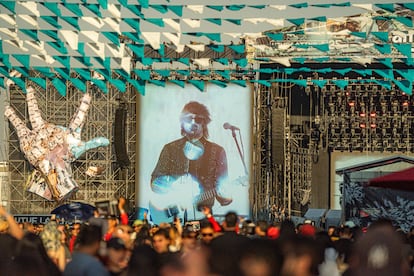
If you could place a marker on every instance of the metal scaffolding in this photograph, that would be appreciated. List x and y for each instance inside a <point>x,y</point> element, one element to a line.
<point>115,181</point>
<point>283,155</point>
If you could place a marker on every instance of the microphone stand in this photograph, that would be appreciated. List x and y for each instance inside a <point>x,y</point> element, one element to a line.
<point>233,132</point>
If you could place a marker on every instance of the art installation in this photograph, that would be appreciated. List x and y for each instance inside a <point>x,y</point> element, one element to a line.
<point>51,148</point>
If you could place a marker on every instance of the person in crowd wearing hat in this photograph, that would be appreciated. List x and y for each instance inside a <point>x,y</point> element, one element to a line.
<point>137,226</point>
<point>117,256</point>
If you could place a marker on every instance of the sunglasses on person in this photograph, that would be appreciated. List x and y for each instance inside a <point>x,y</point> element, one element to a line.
<point>198,119</point>
<point>207,234</point>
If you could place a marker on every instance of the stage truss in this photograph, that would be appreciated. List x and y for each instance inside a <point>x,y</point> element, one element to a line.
<point>282,163</point>
<point>363,116</point>
<point>115,181</point>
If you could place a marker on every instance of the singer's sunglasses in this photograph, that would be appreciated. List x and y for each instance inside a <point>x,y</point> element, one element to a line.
<point>188,118</point>
<point>207,234</point>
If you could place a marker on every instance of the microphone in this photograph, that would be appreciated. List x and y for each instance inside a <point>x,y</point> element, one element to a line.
<point>229,126</point>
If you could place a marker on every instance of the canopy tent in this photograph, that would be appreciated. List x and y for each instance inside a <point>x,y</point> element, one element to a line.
<point>74,211</point>
<point>400,180</point>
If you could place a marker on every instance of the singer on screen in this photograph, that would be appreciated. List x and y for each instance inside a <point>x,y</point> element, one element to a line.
<point>192,165</point>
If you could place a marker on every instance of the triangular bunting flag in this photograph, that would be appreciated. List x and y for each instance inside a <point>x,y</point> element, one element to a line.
<point>119,84</point>
<point>341,83</point>
<point>73,7</point>
<point>30,33</point>
<point>101,84</point>
<point>84,73</point>
<point>297,22</point>
<point>139,85</point>
<point>199,84</point>
<point>103,4</point>
<point>59,46</point>
<point>133,22</point>
<point>60,86</point>
<point>177,9</point>
<point>73,21</point>
<point>94,8</point>
<point>180,83</point>
<point>404,49</point>
<point>234,21</point>
<point>405,86</point>
<point>216,21</point>
<point>387,7</point>
<point>10,5</point>
<point>143,74</point>
<point>157,82</point>
<point>222,84</point>
<point>51,33</point>
<point>23,59</point>
<point>64,60</point>
<point>79,84</point>
<point>113,37</point>
<point>406,20</point>
<point>385,73</point>
<point>216,48</point>
<point>63,72</point>
<point>239,82</point>
<point>52,20</point>
<point>217,8</point>
<point>235,7</point>
<point>299,5</point>
<point>53,7</point>
<point>383,48</point>
<point>383,36</point>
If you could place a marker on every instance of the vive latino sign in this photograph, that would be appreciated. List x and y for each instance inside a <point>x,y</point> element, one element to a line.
<point>34,219</point>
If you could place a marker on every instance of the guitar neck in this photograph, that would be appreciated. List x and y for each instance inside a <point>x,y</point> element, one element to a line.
<point>207,195</point>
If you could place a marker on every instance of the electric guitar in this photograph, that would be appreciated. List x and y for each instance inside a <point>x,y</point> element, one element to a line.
<point>181,200</point>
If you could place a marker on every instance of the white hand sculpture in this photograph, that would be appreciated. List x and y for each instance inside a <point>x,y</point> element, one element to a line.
<point>51,148</point>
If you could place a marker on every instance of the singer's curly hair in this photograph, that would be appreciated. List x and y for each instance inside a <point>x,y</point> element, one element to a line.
<point>200,110</point>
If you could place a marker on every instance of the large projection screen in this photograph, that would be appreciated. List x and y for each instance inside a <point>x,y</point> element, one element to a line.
<point>160,124</point>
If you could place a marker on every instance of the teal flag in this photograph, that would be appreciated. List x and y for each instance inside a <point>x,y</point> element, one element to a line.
<point>23,59</point>
<point>53,7</point>
<point>74,8</point>
<point>52,20</point>
<point>139,85</point>
<point>180,83</point>
<point>79,84</point>
<point>73,21</point>
<point>219,83</point>
<point>60,86</point>
<point>63,72</point>
<point>39,81</point>
<point>95,8</point>
<point>30,33</point>
<point>177,9</point>
<point>119,84</point>
<point>404,49</point>
<point>10,5</point>
<point>199,84</point>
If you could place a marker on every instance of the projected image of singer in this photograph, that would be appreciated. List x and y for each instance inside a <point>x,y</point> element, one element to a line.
<point>192,168</point>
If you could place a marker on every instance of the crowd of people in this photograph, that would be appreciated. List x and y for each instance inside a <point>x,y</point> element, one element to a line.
<point>113,246</point>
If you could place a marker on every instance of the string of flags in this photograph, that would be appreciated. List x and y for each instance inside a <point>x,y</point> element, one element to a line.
<point>57,38</point>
